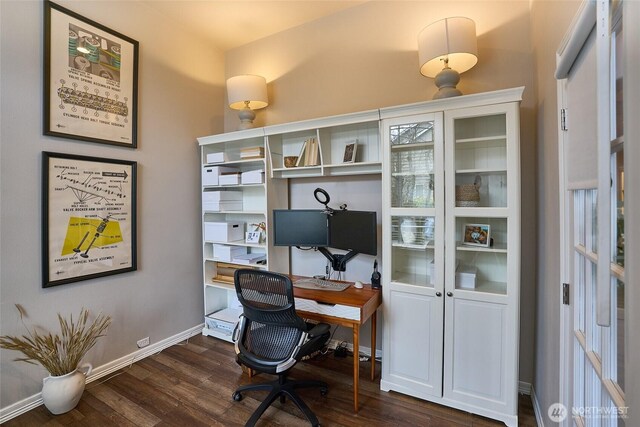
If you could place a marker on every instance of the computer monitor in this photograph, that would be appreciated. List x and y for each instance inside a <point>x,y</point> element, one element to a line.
<point>354,231</point>
<point>300,227</point>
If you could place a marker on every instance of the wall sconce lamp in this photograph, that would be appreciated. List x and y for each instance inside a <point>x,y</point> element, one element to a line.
<point>247,93</point>
<point>447,48</point>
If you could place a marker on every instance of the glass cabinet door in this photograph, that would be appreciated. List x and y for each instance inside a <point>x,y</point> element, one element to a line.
<point>413,247</point>
<point>481,161</point>
<point>411,165</point>
<point>414,212</point>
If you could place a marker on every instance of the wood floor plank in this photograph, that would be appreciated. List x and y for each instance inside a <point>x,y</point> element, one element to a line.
<point>134,413</point>
<point>192,385</point>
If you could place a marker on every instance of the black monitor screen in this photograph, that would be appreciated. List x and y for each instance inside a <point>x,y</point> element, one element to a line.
<point>300,227</point>
<point>354,231</point>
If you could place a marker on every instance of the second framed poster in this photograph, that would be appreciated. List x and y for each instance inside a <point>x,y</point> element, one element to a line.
<point>90,83</point>
<point>89,217</point>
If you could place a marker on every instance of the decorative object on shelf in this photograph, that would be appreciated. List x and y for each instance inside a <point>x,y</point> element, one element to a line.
<point>290,161</point>
<point>89,218</point>
<point>468,195</point>
<point>350,152</point>
<point>246,93</point>
<point>476,235</point>
<point>257,234</point>
<point>408,230</point>
<point>91,80</point>
<point>60,354</point>
<point>447,48</point>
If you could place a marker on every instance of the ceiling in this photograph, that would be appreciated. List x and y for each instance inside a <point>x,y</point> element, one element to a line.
<point>232,23</point>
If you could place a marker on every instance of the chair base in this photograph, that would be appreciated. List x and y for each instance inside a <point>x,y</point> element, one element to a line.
<point>282,388</point>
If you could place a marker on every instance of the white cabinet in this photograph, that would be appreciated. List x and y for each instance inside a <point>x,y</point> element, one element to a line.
<point>451,251</point>
<point>236,197</point>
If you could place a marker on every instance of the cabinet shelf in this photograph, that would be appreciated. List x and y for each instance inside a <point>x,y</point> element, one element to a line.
<point>485,286</point>
<point>217,333</point>
<point>496,248</point>
<point>357,168</point>
<point>238,243</point>
<point>234,212</point>
<point>481,171</point>
<point>411,279</point>
<point>427,173</point>
<point>220,285</point>
<point>213,187</point>
<point>480,139</point>
<point>397,244</point>
<point>402,147</point>
<point>253,161</point>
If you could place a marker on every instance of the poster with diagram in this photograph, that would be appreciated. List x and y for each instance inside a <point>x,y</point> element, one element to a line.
<point>91,77</point>
<point>89,217</point>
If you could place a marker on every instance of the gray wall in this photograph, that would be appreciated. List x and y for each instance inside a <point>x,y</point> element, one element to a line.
<point>181,88</point>
<point>366,57</point>
<point>550,21</point>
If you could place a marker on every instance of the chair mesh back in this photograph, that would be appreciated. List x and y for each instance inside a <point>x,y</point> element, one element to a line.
<point>273,328</point>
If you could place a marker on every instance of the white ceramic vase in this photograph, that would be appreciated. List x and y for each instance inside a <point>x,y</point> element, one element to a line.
<point>62,393</point>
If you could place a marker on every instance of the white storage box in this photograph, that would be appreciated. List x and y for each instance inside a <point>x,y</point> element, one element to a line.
<point>466,276</point>
<point>217,157</point>
<point>221,196</point>
<point>228,206</point>
<point>210,174</point>
<point>227,253</point>
<point>229,179</point>
<point>224,320</point>
<point>253,177</point>
<point>223,231</point>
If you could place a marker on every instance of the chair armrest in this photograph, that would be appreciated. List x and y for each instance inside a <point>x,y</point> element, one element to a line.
<point>319,329</point>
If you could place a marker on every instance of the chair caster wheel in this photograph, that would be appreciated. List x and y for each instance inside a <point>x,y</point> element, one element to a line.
<point>237,396</point>
<point>323,391</point>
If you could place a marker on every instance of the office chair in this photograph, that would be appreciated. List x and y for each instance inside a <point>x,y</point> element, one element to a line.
<point>271,338</point>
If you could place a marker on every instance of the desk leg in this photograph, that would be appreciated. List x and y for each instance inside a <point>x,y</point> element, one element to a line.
<point>373,345</point>
<point>356,365</point>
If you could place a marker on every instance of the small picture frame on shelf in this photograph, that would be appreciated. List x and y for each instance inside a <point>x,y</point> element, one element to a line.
<point>257,234</point>
<point>350,152</point>
<point>476,235</point>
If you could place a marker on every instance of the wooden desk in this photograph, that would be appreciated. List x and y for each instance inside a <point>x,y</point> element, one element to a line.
<point>351,308</point>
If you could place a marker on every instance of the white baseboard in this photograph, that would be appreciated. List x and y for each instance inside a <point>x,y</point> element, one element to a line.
<point>524,388</point>
<point>34,401</point>
<point>536,408</point>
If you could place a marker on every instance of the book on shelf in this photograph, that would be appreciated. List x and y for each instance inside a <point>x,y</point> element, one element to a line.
<point>303,151</point>
<point>252,258</point>
<point>252,153</point>
<point>313,156</point>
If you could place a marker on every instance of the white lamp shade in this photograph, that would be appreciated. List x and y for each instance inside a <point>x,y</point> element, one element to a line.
<point>452,38</point>
<point>247,87</point>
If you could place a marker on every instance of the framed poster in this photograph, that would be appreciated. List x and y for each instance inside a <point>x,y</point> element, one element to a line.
<point>89,218</point>
<point>90,80</point>
<point>476,235</point>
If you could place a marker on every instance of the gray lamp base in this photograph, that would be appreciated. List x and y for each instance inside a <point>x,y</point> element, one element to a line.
<point>247,115</point>
<point>446,80</point>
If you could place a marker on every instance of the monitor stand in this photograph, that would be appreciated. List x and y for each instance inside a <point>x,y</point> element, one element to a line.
<point>338,261</point>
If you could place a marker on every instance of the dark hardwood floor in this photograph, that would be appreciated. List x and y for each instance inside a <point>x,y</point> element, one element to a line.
<point>191,384</point>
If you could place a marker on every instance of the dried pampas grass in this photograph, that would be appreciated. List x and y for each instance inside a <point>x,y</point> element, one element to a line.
<point>61,353</point>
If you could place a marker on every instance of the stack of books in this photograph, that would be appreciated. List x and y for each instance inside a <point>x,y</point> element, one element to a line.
<point>252,153</point>
<point>309,154</point>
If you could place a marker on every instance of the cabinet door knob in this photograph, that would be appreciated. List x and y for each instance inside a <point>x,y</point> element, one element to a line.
<point>438,294</point>
<point>449,294</point>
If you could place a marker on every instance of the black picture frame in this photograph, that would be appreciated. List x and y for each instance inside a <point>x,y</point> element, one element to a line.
<point>89,219</point>
<point>90,80</point>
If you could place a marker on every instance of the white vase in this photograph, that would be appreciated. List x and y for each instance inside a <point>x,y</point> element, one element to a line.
<point>62,393</point>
